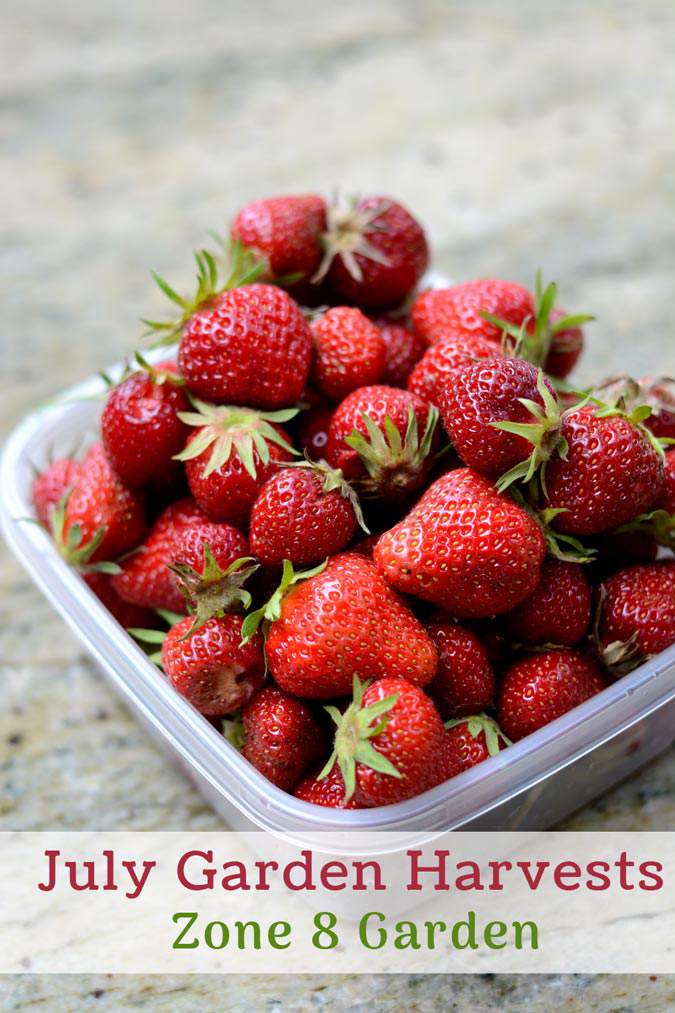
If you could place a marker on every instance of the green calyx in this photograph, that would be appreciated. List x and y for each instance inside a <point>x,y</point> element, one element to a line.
<point>233,731</point>
<point>561,546</point>
<point>389,459</point>
<point>532,340</point>
<point>355,728</point>
<point>481,723</point>
<point>214,275</point>
<point>347,236</point>
<point>271,610</point>
<point>225,428</point>
<point>544,435</point>
<point>214,591</point>
<point>155,638</point>
<point>659,524</point>
<point>72,547</point>
<point>333,481</point>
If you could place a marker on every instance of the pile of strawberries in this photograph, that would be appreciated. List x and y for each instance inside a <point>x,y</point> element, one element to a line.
<point>376,532</point>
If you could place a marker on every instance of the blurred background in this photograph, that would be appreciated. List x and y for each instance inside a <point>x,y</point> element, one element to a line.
<point>523,135</point>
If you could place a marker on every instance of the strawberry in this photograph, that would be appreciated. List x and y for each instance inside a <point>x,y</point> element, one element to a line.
<point>284,231</point>
<point>611,470</point>
<point>326,624</point>
<point>210,665</point>
<point>313,432</point>
<point>666,500</point>
<point>469,741</point>
<point>98,519</point>
<point>541,687</point>
<point>124,612</point>
<point>464,547</point>
<point>303,513</point>
<point>140,425</point>
<point>375,253</point>
<point>464,682</point>
<point>387,742</point>
<point>457,311</point>
<point>658,393</point>
<point>248,346</point>
<point>403,349</point>
<point>282,738</point>
<point>637,613</point>
<point>384,438</point>
<point>50,487</point>
<point>559,609</point>
<point>441,359</point>
<point>566,344</point>
<point>231,455</point>
<point>349,352</point>
<point>502,417</point>
<point>328,791</point>
<point>147,578</point>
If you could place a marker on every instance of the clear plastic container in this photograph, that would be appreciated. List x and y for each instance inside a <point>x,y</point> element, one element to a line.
<point>531,785</point>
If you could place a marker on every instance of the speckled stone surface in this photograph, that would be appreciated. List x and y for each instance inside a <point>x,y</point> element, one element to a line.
<point>523,135</point>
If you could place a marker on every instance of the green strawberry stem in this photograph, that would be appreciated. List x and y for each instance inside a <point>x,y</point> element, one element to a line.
<point>346,237</point>
<point>544,435</point>
<point>561,546</point>
<point>271,610</point>
<point>355,729</point>
<point>214,591</point>
<point>659,524</point>
<point>478,723</point>
<point>72,548</point>
<point>387,457</point>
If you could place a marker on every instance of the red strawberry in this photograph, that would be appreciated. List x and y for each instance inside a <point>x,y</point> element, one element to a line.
<point>541,687</point>
<point>51,486</point>
<point>457,311</point>
<point>125,613</point>
<point>230,457</point>
<point>146,577</point>
<point>327,624</point>
<point>610,472</point>
<point>328,791</point>
<point>141,428</point>
<point>282,738</point>
<point>349,352</point>
<point>465,547</point>
<point>375,253</point>
<point>659,394</point>
<point>439,362</point>
<point>384,437</point>
<point>313,432</point>
<point>249,346</point>
<point>284,231</point>
<point>637,612</point>
<point>303,513</point>
<point>666,500</point>
<point>211,666</point>
<point>403,349</point>
<point>559,609</point>
<point>469,741</point>
<point>464,682</point>
<point>502,417</point>
<point>566,345</point>
<point>100,519</point>
<point>387,742</point>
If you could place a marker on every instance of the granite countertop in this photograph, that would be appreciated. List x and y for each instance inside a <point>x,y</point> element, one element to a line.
<point>523,138</point>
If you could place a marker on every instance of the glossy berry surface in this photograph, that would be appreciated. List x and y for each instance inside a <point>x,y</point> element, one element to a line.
<point>465,682</point>
<point>349,352</point>
<point>285,230</point>
<point>559,609</point>
<point>434,372</point>
<point>403,350</point>
<point>639,603</point>
<point>457,310</point>
<point>328,791</point>
<point>50,487</point>
<point>282,738</point>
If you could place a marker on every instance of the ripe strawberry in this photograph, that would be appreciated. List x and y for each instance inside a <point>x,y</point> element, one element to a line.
<point>637,613</point>
<point>541,687</point>
<point>502,417</point>
<point>387,742</point>
<point>147,578</point>
<point>375,253</point>
<point>50,487</point>
<point>303,513</point>
<point>313,432</point>
<point>566,345</point>
<point>441,359</point>
<point>248,346</point>
<point>125,613</point>
<point>349,352</point>
<point>282,738</point>
<point>469,741</point>
<point>383,437</point>
<point>611,471</point>
<point>140,425</point>
<point>457,311</point>
<point>403,349</point>
<point>328,791</point>
<point>231,455</point>
<point>559,609</point>
<point>210,665</point>
<point>666,500</point>
<point>464,682</point>
<point>659,394</point>
<point>284,231</point>
<point>465,547</point>
<point>327,623</point>
<point>99,519</point>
